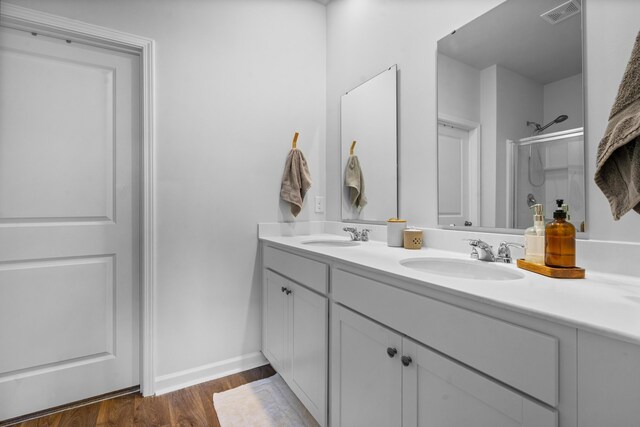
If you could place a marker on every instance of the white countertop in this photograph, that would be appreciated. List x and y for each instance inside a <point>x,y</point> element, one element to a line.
<point>606,304</point>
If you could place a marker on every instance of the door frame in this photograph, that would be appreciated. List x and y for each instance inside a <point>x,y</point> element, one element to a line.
<point>21,18</point>
<point>475,176</point>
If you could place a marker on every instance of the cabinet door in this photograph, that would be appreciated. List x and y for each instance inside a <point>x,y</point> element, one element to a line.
<point>608,382</point>
<point>308,332</point>
<point>438,392</point>
<point>275,315</point>
<point>366,387</point>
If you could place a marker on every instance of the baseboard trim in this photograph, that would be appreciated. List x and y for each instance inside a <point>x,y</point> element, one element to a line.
<point>177,380</point>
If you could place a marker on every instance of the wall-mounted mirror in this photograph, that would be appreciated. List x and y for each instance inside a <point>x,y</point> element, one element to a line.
<point>510,116</point>
<point>369,165</point>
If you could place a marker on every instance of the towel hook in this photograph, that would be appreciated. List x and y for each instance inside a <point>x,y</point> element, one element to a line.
<point>294,143</point>
<point>353,146</point>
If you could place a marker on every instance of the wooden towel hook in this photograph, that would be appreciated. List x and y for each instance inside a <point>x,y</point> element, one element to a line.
<point>353,146</point>
<point>294,143</point>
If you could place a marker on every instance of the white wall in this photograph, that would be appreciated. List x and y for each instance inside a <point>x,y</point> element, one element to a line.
<point>519,100</point>
<point>488,146</point>
<point>611,28</point>
<point>563,97</point>
<point>235,79</point>
<point>458,89</point>
<point>363,36</point>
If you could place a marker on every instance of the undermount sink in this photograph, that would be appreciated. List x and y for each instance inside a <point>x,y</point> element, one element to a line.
<point>331,243</point>
<point>461,268</point>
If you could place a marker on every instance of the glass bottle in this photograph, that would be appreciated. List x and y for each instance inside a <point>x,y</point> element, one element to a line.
<point>534,237</point>
<point>560,240</point>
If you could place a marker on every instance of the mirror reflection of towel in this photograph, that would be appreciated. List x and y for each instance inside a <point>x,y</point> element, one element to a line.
<point>296,180</point>
<point>618,159</point>
<point>354,181</point>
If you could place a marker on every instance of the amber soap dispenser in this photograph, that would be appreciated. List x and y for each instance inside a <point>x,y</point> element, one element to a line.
<point>560,240</point>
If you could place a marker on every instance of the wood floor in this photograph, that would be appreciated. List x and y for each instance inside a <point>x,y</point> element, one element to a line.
<point>192,406</point>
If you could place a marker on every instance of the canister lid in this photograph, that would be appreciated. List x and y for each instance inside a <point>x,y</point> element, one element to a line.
<point>396,220</point>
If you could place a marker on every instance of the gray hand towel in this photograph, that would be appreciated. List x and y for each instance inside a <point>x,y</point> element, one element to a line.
<point>296,180</point>
<point>618,160</point>
<point>354,180</point>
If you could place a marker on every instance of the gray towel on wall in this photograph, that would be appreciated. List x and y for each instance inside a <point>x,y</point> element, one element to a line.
<point>296,180</point>
<point>618,160</point>
<point>354,181</point>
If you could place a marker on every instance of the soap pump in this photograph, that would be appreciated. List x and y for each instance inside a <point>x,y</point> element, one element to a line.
<point>534,237</point>
<point>560,239</point>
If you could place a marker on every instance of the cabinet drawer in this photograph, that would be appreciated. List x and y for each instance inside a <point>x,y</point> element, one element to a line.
<point>310,273</point>
<point>519,357</point>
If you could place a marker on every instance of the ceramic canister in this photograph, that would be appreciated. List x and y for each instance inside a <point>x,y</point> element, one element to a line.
<point>395,228</point>
<point>412,238</point>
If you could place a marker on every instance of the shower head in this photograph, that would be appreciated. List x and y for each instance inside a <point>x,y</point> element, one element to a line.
<point>539,128</point>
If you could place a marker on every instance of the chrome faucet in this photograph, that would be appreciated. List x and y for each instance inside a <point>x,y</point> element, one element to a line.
<point>484,252</point>
<point>481,250</point>
<point>504,253</point>
<point>358,236</point>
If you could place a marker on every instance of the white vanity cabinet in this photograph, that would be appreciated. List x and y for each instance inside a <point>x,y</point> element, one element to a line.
<point>382,378</point>
<point>295,322</point>
<point>522,358</point>
<point>366,374</point>
<point>501,358</point>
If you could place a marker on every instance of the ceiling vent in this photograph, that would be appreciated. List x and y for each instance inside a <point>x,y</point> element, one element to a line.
<point>562,12</point>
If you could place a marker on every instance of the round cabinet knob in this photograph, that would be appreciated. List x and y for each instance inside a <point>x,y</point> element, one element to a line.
<point>391,351</point>
<point>406,360</point>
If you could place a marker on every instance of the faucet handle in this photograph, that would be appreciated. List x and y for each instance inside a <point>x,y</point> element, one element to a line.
<point>353,232</point>
<point>364,234</point>
<point>474,253</point>
<point>504,253</point>
<point>474,244</point>
<point>481,250</point>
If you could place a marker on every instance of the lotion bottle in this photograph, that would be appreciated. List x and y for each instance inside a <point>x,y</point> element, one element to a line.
<point>534,241</point>
<point>560,240</point>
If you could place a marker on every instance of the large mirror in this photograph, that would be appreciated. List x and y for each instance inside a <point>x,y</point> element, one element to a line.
<point>369,150</point>
<point>510,116</point>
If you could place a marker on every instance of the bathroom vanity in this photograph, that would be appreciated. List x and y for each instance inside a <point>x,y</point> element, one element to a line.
<point>366,341</point>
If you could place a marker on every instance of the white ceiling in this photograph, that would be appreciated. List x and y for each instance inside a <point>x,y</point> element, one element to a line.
<point>514,36</point>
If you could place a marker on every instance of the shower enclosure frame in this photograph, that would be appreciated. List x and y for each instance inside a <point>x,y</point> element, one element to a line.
<point>512,164</point>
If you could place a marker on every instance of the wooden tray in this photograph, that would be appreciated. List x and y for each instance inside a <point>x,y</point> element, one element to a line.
<point>556,272</point>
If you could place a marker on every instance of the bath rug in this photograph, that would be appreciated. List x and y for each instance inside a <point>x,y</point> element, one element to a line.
<point>263,403</point>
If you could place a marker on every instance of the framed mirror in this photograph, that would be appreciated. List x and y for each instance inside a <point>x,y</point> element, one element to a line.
<point>369,153</point>
<point>511,116</point>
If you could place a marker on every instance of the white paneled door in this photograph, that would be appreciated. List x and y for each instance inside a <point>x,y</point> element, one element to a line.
<point>453,175</point>
<point>69,222</point>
